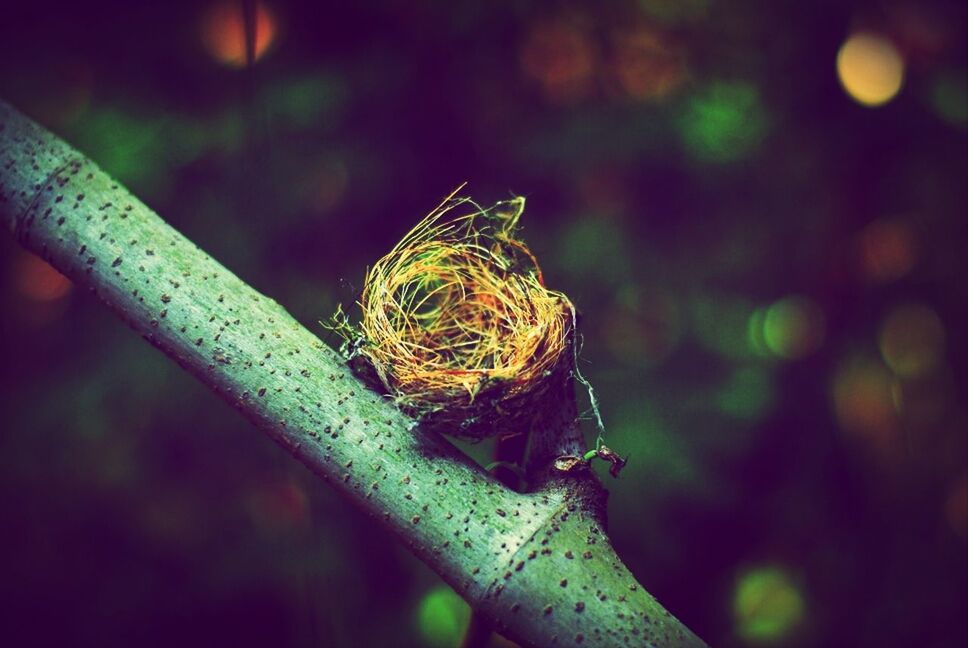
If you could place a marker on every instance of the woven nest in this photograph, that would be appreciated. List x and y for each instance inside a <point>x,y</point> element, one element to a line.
<point>457,325</point>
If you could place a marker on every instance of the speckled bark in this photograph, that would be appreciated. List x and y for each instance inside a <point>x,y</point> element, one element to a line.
<point>538,564</point>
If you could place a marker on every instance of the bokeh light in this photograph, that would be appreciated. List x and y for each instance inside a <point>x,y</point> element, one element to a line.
<point>748,394</point>
<point>888,250</point>
<point>661,456</point>
<point>723,122</point>
<point>647,64</point>
<point>865,397</point>
<point>75,85</point>
<point>128,145</point>
<point>223,32</point>
<point>331,179</point>
<point>37,280</point>
<point>442,618</point>
<point>870,68</point>
<point>793,327</point>
<point>601,188</point>
<point>912,340</point>
<point>594,247</point>
<point>744,242</point>
<point>720,323</point>
<point>279,505</point>
<point>754,333</point>
<point>767,605</point>
<point>956,507</point>
<point>949,97</point>
<point>642,330</point>
<point>307,101</point>
<point>560,56</point>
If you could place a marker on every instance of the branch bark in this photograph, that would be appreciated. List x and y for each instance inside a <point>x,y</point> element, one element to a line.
<point>538,565</point>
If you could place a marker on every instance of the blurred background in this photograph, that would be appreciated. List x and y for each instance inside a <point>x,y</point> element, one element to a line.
<point>759,208</point>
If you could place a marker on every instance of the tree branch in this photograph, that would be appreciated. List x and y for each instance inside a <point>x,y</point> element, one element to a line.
<point>539,565</point>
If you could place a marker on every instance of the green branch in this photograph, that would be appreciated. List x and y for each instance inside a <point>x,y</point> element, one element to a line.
<point>539,565</point>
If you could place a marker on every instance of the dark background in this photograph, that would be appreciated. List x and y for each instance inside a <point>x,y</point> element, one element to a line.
<point>771,277</point>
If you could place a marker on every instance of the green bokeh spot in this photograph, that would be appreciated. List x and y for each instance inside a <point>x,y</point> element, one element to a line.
<point>792,327</point>
<point>306,102</point>
<point>949,96</point>
<point>723,122</point>
<point>721,324</point>
<point>228,131</point>
<point>127,148</point>
<point>747,394</point>
<point>779,327</point>
<point>754,333</point>
<point>442,617</point>
<point>662,459</point>
<point>594,248</point>
<point>767,605</point>
<point>187,140</point>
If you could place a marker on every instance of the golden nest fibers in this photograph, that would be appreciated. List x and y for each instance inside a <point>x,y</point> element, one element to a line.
<point>457,324</point>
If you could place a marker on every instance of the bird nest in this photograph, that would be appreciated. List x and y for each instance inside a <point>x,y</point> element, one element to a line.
<point>456,322</point>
